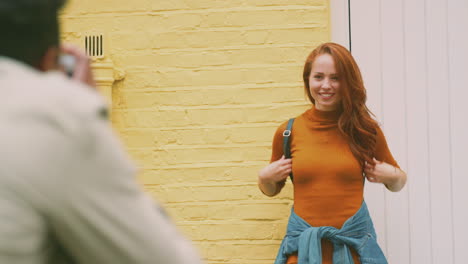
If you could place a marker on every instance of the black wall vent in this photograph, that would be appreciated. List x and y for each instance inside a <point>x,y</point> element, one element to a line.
<point>94,46</point>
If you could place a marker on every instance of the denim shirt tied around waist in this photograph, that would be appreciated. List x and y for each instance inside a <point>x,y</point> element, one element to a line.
<point>357,232</point>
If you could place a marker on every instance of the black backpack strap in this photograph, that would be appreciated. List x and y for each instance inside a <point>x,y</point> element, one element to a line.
<point>286,142</point>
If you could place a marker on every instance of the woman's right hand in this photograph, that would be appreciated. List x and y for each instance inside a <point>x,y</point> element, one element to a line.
<point>276,171</point>
<point>271,178</point>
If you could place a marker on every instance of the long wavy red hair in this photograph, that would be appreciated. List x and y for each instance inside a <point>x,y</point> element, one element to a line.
<point>355,122</point>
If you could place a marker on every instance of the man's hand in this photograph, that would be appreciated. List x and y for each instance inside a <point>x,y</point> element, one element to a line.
<point>82,72</point>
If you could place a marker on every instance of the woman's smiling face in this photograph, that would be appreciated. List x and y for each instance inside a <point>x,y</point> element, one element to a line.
<point>324,83</point>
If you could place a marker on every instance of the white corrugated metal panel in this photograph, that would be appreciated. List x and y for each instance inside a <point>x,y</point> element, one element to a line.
<point>414,56</point>
<point>458,96</point>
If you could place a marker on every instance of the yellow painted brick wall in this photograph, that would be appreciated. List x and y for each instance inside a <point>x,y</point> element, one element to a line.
<point>206,84</point>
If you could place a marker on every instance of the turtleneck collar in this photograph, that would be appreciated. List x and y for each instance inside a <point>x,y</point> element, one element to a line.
<point>314,114</point>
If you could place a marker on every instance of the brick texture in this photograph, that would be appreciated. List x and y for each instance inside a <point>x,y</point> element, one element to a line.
<point>206,84</point>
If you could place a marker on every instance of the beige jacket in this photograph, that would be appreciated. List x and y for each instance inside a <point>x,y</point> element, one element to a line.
<point>67,189</point>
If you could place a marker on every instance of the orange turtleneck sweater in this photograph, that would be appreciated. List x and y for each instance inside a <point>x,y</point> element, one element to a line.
<point>328,181</point>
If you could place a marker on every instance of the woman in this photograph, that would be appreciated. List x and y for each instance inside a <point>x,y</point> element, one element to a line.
<point>334,145</point>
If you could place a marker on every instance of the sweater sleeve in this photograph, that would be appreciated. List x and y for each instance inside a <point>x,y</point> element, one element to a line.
<point>382,152</point>
<point>277,148</point>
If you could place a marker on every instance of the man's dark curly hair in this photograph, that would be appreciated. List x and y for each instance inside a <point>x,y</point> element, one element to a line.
<point>28,28</point>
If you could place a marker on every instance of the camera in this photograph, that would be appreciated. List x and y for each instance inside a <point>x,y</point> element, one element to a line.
<point>68,63</point>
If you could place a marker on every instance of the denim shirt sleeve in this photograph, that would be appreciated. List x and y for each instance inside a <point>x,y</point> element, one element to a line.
<point>357,232</point>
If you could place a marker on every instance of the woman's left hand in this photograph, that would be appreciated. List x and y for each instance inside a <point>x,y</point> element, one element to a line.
<point>382,172</point>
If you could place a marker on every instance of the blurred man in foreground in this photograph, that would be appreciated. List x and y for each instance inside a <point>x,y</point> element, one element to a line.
<point>67,189</point>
